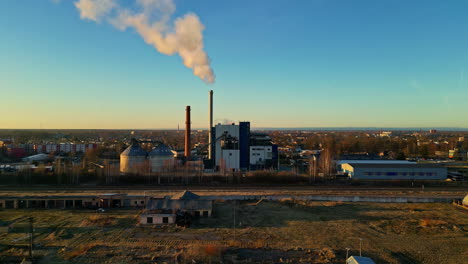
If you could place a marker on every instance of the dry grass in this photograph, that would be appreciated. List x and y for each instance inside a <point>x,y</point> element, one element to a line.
<point>205,253</point>
<point>99,220</point>
<point>79,251</point>
<point>294,231</point>
<point>432,223</point>
<point>331,204</point>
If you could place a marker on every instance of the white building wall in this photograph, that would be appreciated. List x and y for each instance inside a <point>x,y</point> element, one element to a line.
<point>258,154</point>
<point>232,130</point>
<point>231,159</point>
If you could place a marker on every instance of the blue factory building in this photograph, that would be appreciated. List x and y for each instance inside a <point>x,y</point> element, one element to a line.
<point>236,148</point>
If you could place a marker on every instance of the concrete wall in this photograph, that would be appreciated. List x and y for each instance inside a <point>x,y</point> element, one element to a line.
<point>157,219</point>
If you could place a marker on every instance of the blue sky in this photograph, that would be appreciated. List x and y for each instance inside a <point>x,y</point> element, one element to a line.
<point>311,63</point>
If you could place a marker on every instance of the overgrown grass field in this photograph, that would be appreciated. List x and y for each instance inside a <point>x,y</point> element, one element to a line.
<point>245,232</point>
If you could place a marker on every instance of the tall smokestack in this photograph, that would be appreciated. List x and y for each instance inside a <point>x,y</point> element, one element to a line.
<point>210,130</point>
<point>187,133</point>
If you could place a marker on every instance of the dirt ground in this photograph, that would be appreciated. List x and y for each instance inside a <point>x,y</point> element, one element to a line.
<point>245,232</point>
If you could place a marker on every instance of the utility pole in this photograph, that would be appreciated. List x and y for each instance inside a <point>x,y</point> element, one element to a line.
<point>315,167</point>
<point>360,247</point>
<point>310,170</point>
<point>31,238</point>
<point>235,203</point>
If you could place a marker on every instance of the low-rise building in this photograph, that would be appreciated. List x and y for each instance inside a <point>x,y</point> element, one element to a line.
<point>111,200</point>
<point>359,260</point>
<point>167,210</point>
<point>396,171</point>
<point>158,218</point>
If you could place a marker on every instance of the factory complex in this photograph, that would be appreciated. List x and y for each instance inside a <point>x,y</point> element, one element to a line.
<point>231,152</point>
<point>231,148</point>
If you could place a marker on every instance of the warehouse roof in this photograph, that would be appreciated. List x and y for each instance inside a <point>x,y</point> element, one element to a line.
<point>395,165</point>
<point>37,157</point>
<point>359,260</point>
<point>164,204</point>
<point>185,195</point>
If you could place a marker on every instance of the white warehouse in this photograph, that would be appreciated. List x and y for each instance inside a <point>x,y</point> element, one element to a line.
<point>396,171</point>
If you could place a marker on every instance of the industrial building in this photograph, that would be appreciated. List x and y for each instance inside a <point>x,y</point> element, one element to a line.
<point>234,147</point>
<point>237,148</point>
<point>231,147</point>
<point>394,171</point>
<point>135,160</point>
<point>339,163</point>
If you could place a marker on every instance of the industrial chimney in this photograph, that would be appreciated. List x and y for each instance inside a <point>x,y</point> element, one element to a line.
<point>210,130</point>
<point>188,145</point>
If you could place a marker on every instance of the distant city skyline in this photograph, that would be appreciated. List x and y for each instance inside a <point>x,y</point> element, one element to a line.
<point>278,64</point>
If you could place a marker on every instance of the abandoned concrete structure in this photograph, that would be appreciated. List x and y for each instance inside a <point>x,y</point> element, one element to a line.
<point>111,200</point>
<point>158,218</point>
<point>164,210</point>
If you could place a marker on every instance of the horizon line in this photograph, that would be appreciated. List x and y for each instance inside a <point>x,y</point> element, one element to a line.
<point>362,128</point>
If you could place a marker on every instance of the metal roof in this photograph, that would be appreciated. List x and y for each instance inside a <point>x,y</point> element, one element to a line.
<point>134,150</point>
<point>185,195</point>
<point>359,260</point>
<point>394,165</point>
<point>161,150</point>
<point>340,162</point>
<point>161,204</point>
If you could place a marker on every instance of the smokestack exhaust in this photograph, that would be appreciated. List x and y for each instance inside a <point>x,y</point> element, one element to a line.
<point>188,145</point>
<point>210,130</point>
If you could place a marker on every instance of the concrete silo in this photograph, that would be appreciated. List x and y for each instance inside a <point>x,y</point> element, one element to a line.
<point>161,156</point>
<point>133,159</point>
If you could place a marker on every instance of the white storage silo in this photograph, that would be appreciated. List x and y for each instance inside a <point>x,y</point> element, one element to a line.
<point>133,159</point>
<point>160,156</point>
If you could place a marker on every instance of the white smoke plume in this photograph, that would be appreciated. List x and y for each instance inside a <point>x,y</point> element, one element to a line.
<point>152,21</point>
<point>94,9</point>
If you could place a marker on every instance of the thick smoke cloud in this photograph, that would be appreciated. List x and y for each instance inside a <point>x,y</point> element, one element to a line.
<point>94,9</point>
<point>153,23</point>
